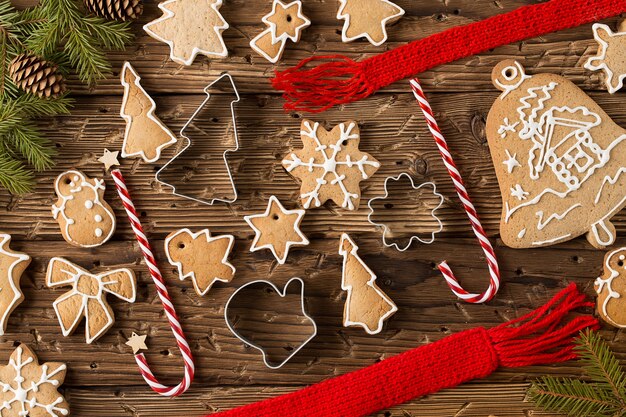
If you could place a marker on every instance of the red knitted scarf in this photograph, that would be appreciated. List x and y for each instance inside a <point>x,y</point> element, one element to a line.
<point>342,80</point>
<point>533,339</point>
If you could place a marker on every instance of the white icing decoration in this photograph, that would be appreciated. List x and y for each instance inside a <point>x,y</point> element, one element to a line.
<point>601,58</point>
<point>98,232</point>
<point>514,71</point>
<point>273,31</point>
<point>21,393</point>
<point>341,15</point>
<point>507,127</point>
<point>344,286</point>
<point>511,162</point>
<point>330,164</point>
<point>288,244</point>
<point>78,186</point>
<point>518,192</point>
<point>521,233</point>
<point>555,240</point>
<point>601,283</point>
<point>97,218</point>
<point>555,216</point>
<point>72,275</point>
<point>88,204</point>
<point>207,235</point>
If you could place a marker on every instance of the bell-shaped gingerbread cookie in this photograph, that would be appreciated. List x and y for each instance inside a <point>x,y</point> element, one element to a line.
<point>559,159</point>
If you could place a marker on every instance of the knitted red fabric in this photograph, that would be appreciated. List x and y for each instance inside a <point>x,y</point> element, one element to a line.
<point>476,353</point>
<point>343,80</point>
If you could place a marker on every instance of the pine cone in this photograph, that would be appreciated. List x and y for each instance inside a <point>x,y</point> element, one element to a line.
<point>37,76</point>
<point>115,9</point>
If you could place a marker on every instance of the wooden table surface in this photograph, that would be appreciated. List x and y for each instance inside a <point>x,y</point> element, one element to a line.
<point>103,379</point>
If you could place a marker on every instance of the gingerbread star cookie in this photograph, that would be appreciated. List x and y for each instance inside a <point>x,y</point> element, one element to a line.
<point>285,22</point>
<point>367,19</point>
<point>611,57</point>
<point>190,27</point>
<point>30,389</point>
<point>201,257</point>
<point>277,229</point>
<point>330,165</point>
<point>12,266</point>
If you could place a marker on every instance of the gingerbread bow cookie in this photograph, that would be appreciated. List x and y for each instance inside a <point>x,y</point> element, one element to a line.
<point>88,296</point>
<point>285,22</point>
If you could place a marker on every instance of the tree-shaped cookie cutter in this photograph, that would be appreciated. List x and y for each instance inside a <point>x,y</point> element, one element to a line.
<point>225,154</point>
<point>282,294</point>
<point>413,237</point>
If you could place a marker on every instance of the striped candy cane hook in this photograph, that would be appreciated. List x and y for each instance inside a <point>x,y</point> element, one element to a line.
<point>494,270</point>
<point>165,300</point>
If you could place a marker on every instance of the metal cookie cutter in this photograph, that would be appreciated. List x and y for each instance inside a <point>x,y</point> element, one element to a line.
<point>282,294</point>
<point>386,228</point>
<point>226,152</point>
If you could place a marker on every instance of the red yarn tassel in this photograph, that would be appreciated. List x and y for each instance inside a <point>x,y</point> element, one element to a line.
<point>342,80</point>
<point>535,338</point>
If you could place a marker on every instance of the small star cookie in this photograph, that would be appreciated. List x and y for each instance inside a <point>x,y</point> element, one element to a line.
<point>201,257</point>
<point>137,342</point>
<point>611,55</point>
<point>367,19</point>
<point>190,27</point>
<point>330,165</point>
<point>285,22</point>
<point>109,159</point>
<point>277,229</point>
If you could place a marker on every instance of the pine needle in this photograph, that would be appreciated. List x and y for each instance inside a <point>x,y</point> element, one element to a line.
<point>14,176</point>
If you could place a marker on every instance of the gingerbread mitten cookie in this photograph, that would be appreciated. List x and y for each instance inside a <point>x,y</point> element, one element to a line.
<point>87,298</point>
<point>201,257</point>
<point>86,220</point>
<point>330,165</point>
<point>285,22</point>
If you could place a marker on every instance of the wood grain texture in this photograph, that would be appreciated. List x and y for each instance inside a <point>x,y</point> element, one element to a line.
<point>102,379</point>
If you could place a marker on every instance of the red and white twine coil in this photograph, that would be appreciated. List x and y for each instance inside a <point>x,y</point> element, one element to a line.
<point>170,311</point>
<point>494,270</point>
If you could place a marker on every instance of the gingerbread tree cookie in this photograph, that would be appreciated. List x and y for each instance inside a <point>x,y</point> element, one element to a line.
<point>285,22</point>
<point>559,159</point>
<point>86,220</point>
<point>30,389</point>
<point>330,165</point>
<point>611,56</point>
<point>190,27</point>
<point>367,19</point>
<point>146,135</point>
<point>277,229</point>
<point>201,257</point>
<point>366,306</point>
<point>87,298</point>
<point>12,266</point>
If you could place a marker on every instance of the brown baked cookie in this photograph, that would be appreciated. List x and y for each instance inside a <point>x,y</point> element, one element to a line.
<point>12,266</point>
<point>86,220</point>
<point>367,19</point>
<point>201,257</point>
<point>611,56</point>
<point>611,289</point>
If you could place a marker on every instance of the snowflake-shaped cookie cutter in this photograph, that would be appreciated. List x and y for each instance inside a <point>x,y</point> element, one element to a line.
<point>224,155</point>
<point>282,293</point>
<point>386,228</point>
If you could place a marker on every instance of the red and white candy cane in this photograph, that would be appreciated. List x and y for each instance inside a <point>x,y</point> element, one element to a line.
<point>494,270</point>
<point>170,311</point>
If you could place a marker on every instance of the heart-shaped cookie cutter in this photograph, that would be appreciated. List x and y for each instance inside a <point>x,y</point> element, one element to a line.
<point>413,237</point>
<point>282,294</point>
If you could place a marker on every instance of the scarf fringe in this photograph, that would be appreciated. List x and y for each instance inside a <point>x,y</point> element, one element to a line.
<point>536,338</point>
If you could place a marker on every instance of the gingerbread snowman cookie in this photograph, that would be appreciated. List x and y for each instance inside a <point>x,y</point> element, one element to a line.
<point>86,220</point>
<point>611,289</point>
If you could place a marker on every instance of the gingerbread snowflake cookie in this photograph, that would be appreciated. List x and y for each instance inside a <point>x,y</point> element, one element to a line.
<point>285,22</point>
<point>611,289</point>
<point>201,257</point>
<point>330,165</point>
<point>12,266</point>
<point>87,298</point>
<point>367,19</point>
<point>611,56</point>
<point>30,389</point>
<point>85,219</point>
<point>277,229</point>
<point>190,27</point>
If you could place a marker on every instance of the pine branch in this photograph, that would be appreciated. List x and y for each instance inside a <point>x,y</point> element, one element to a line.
<point>601,364</point>
<point>574,397</point>
<point>14,176</point>
<point>37,150</point>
